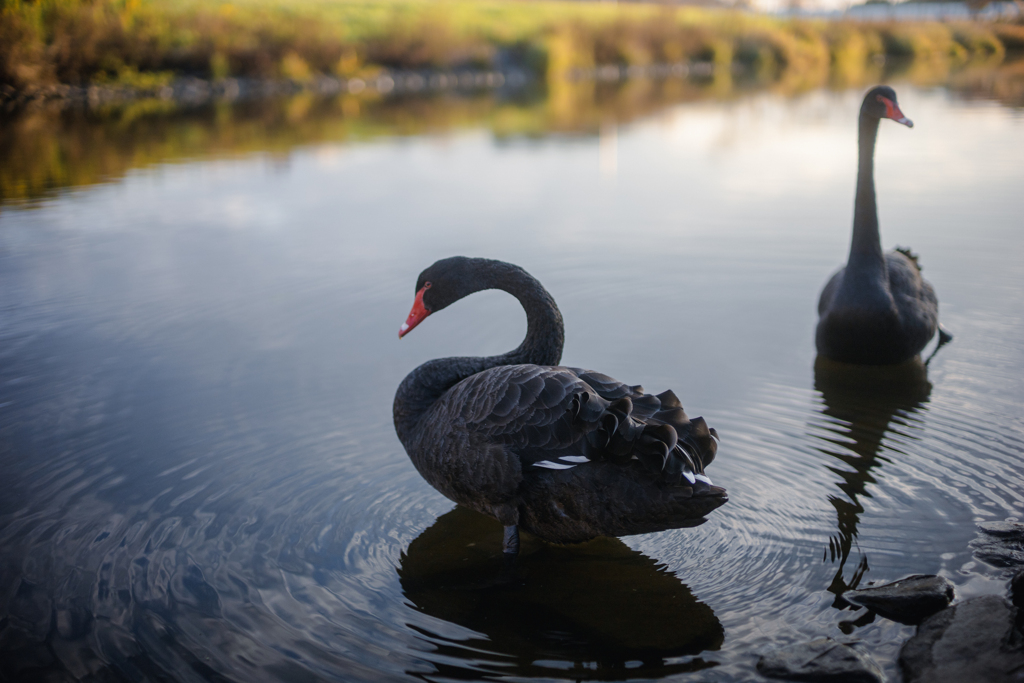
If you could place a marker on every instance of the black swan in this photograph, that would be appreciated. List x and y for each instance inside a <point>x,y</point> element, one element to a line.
<point>566,454</point>
<point>878,310</point>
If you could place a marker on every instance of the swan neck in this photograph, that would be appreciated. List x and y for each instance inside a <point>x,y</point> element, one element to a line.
<point>542,345</point>
<point>866,245</point>
<point>545,330</point>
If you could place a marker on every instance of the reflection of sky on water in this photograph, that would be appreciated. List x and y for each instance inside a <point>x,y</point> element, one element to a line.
<point>758,149</point>
<point>245,311</point>
<point>753,189</point>
<point>766,183</point>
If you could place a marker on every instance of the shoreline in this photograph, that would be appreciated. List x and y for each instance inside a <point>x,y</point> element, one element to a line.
<point>101,52</point>
<point>194,91</point>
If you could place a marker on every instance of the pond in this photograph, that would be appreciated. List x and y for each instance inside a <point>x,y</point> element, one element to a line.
<point>200,474</point>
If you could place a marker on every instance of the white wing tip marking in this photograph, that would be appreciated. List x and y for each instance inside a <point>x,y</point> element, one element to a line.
<point>553,465</point>
<point>578,459</point>
<point>704,478</point>
<point>689,477</point>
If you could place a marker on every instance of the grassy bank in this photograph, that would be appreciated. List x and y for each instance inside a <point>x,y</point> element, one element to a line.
<point>145,43</point>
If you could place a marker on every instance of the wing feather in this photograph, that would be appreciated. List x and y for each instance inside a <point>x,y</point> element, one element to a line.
<point>556,417</point>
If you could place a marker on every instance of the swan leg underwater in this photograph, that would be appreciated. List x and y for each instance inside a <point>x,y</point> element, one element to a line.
<point>877,310</point>
<point>563,453</point>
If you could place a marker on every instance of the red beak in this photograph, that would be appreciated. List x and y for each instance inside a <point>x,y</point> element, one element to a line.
<point>892,111</point>
<point>416,315</point>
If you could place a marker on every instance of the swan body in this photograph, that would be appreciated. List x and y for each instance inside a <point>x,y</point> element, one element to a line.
<point>567,454</point>
<point>877,310</point>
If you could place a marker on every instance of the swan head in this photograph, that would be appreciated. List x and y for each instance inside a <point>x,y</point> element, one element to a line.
<point>449,280</point>
<point>880,103</point>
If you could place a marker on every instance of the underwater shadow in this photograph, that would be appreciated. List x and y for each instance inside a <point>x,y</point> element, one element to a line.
<point>860,403</point>
<point>593,611</point>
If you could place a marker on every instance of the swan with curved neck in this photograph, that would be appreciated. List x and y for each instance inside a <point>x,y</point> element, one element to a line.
<point>877,310</point>
<point>564,453</point>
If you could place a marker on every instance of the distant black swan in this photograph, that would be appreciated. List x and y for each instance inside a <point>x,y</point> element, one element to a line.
<point>878,310</point>
<point>565,453</point>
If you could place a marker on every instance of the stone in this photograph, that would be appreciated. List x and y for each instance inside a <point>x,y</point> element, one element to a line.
<point>1003,529</point>
<point>823,660</point>
<point>974,640</point>
<point>999,555</point>
<point>1001,544</point>
<point>907,601</point>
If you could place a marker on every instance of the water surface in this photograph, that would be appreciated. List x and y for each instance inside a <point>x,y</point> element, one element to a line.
<point>201,481</point>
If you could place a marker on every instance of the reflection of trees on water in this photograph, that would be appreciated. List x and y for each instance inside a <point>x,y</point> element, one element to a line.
<point>43,150</point>
<point>594,611</point>
<point>860,402</point>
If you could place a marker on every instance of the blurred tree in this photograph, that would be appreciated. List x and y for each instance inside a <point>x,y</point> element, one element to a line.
<point>975,6</point>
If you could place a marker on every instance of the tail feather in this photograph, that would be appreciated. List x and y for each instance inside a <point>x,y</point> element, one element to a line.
<point>914,258</point>
<point>669,399</point>
<point>662,437</point>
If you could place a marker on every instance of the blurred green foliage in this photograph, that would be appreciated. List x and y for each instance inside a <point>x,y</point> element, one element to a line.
<point>145,44</point>
<point>79,42</point>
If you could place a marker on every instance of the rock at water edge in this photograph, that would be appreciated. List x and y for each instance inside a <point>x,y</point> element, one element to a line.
<point>908,601</point>
<point>824,660</point>
<point>972,641</point>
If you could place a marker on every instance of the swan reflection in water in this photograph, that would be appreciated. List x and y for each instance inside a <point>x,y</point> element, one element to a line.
<point>594,611</point>
<point>860,402</point>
